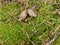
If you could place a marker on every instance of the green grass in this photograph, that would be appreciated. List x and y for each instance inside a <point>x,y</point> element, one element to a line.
<point>14,32</point>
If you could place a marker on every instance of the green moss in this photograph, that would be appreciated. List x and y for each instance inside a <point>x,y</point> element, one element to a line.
<point>12,31</point>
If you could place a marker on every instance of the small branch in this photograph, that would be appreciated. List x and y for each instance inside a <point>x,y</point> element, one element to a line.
<point>57,29</point>
<point>55,37</point>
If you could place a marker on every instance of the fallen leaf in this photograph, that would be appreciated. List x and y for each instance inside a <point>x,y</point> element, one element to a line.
<point>23,15</point>
<point>31,13</point>
<point>59,12</point>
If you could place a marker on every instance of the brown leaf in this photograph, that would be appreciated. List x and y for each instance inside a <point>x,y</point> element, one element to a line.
<point>25,13</point>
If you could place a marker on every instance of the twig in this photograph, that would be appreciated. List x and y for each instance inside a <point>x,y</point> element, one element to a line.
<point>55,37</point>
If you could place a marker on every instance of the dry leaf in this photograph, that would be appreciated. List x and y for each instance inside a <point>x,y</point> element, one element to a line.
<point>31,13</point>
<point>23,15</point>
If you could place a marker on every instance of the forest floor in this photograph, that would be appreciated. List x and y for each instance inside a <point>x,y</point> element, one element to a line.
<point>33,31</point>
